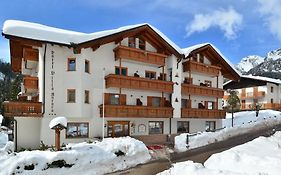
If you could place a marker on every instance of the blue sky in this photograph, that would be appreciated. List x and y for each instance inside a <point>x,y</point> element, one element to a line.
<point>238,28</point>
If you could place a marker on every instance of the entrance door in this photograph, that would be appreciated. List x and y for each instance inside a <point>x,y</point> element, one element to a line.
<point>118,128</point>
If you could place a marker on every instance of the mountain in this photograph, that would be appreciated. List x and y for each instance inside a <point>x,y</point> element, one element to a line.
<point>268,66</point>
<point>249,62</point>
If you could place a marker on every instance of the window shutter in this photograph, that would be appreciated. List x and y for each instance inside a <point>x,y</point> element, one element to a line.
<point>122,99</point>
<point>149,101</point>
<point>106,98</point>
<point>188,103</point>
<point>206,104</point>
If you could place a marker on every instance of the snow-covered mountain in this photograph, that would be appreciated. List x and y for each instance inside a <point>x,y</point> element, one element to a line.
<point>268,66</point>
<point>249,62</point>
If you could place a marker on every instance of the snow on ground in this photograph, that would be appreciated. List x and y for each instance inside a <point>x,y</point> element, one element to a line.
<point>3,139</point>
<point>1,119</point>
<point>245,117</point>
<point>261,156</point>
<point>266,118</point>
<point>110,155</point>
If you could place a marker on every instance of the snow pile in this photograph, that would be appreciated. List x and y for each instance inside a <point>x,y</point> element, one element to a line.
<point>204,138</point>
<point>110,155</point>
<point>244,117</point>
<point>3,139</point>
<point>191,168</point>
<point>1,119</point>
<point>62,121</point>
<point>260,156</point>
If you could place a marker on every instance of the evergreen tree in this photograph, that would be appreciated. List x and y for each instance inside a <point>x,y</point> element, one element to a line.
<point>234,103</point>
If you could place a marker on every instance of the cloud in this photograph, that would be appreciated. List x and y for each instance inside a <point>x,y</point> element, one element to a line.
<point>229,21</point>
<point>270,9</point>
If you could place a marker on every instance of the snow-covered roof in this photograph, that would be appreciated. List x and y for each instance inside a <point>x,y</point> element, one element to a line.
<point>271,80</point>
<point>46,33</point>
<point>188,50</point>
<point>62,121</point>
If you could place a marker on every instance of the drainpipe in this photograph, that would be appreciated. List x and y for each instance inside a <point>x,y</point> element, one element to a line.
<point>44,74</point>
<point>16,134</point>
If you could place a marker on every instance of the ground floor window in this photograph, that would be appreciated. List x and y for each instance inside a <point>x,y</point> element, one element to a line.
<point>77,130</point>
<point>183,127</point>
<point>155,127</point>
<point>210,126</point>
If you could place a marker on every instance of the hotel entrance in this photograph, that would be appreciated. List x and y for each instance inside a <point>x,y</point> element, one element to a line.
<point>118,128</point>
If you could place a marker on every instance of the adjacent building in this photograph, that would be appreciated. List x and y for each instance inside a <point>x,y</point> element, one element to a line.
<point>143,84</point>
<point>256,90</point>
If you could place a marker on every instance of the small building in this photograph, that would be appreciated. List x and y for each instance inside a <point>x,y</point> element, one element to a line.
<point>253,90</point>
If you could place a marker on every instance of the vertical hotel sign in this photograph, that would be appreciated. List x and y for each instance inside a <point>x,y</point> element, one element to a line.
<point>52,91</point>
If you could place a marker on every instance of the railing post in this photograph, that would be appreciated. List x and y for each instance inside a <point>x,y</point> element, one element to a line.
<point>187,139</point>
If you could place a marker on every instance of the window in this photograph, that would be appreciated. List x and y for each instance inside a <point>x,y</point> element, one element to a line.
<point>210,105</point>
<point>155,127</point>
<point>132,42</point>
<point>87,96</point>
<point>208,83</point>
<point>201,58</point>
<point>114,99</point>
<point>271,89</point>
<point>150,74</point>
<point>77,130</point>
<point>87,66</point>
<point>183,126</point>
<point>184,103</point>
<point>70,95</point>
<point>210,126</point>
<point>141,44</point>
<point>121,71</point>
<point>156,101</point>
<point>271,100</point>
<point>71,64</point>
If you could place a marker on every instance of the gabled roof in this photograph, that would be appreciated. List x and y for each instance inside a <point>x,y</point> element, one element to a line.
<point>227,68</point>
<point>54,35</point>
<point>250,81</point>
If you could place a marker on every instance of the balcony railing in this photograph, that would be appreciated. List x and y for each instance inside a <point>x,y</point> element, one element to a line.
<point>202,113</point>
<point>271,106</point>
<point>137,111</point>
<point>258,94</point>
<point>139,55</point>
<point>190,89</point>
<point>22,109</point>
<point>30,82</point>
<point>130,82</point>
<point>201,68</point>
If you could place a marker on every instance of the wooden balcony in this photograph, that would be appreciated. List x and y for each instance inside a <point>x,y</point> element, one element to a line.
<point>22,109</point>
<point>201,68</point>
<point>258,94</point>
<point>130,82</point>
<point>30,82</point>
<point>276,106</point>
<point>190,89</point>
<point>202,113</point>
<point>124,52</point>
<point>137,111</point>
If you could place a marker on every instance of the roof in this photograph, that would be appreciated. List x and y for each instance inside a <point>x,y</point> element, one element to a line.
<point>45,33</point>
<point>250,81</point>
<point>187,51</point>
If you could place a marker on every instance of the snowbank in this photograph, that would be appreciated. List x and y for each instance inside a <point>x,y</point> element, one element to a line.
<point>58,121</point>
<point>111,155</point>
<point>204,138</point>
<point>3,139</point>
<point>260,156</point>
<point>1,119</point>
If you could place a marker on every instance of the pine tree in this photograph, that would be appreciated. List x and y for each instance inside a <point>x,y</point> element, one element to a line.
<point>234,103</point>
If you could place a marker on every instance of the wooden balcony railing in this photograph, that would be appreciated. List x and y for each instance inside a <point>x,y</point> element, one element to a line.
<point>22,109</point>
<point>139,55</point>
<point>271,106</point>
<point>201,68</point>
<point>130,82</point>
<point>137,111</point>
<point>190,89</point>
<point>202,113</point>
<point>258,94</point>
<point>30,82</point>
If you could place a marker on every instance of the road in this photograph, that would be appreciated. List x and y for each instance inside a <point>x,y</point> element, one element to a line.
<point>199,155</point>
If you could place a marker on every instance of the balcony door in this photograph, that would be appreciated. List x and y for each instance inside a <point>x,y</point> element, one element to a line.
<point>118,128</point>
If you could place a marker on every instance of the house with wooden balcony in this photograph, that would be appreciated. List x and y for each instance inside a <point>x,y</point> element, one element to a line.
<point>133,79</point>
<point>203,70</point>
<point>256,90</point>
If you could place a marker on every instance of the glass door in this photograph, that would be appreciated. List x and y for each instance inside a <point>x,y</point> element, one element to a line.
<point>118,128</point>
